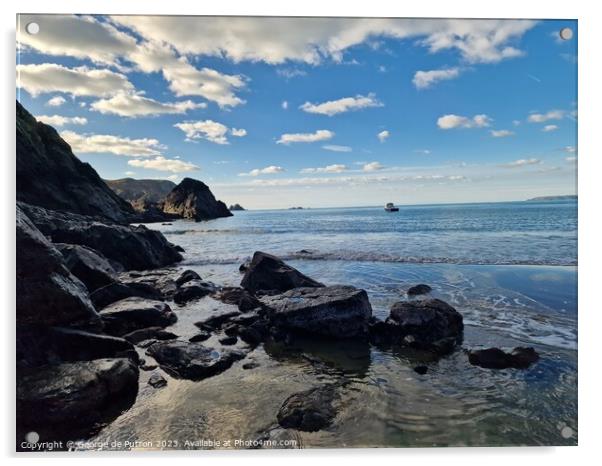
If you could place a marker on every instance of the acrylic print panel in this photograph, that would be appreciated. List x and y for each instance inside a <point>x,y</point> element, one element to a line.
<point>355,232</point>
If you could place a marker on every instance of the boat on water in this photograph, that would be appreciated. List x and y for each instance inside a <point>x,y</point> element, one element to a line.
<point>390,207</point>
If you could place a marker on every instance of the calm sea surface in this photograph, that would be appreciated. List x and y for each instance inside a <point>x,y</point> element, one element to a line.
<point>509,268</point>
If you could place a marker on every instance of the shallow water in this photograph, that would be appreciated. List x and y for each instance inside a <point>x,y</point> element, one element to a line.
<point>386,403</point>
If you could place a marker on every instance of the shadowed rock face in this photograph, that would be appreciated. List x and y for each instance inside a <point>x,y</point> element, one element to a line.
<point>131,314</point>
<point>91,267</point>
<point>49,175</point>
<point>267,272</point>
<point>192,199</point>
<point>136,191</point>
<point>47,293</point>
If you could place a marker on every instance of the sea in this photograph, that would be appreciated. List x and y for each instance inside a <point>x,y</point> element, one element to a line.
<point>509,268</point>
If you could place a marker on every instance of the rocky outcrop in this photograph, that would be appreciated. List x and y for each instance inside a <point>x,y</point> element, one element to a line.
<point>47,293</point>
<point>193,199</point>
<point>495,358</point>
<point>267,272</point>
<point>235,207</point>
<point>419,289</point>
<point>131,314</point>
<point>149,333</point>
<point>134,248</point>
<point>239,297</point>
<point>308,411</point>
<point>193,289</point>
<point>117,291</point>
<point>133,191</point>
<point>90,266</point>
<point>49,175</point>
<point>190,360</point>
<point>332,311</point>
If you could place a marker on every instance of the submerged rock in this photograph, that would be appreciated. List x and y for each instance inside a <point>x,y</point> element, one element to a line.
<point>333,311</point>
<point>421,370</point>
<point>131,314</point>
<point>192,360</point>
<point>193,289</point>
<point>90,266</point>
<point>267,272</point>
<point>309,411</point>
<point>419,289</point>
<point>193,199</point>
<point>495,358</point>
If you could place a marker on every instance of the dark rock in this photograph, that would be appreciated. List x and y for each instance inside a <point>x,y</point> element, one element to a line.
<point>333,311</point>
<point>156,333</point>
<point>134,247</point>
<point>49,175</point>
<point>250,365</point>
<point>309,411</point>
<point>90,266</point>
<point>114,292</point>
<point>193,199</point>
<point>495,358</point>
<point>179,248</point>
<point>267,272</point>
<point>215,322</point>
<point>40,345</point>
<point>251,336</point>
<point>228,341</point>
<point>193,289</point>
<point>145,196</point>
<point>246,319</point>
<point>68,395</point>
<point>419,289</point>
<point>244,266</point>
<point>156,380</point>
<point>157,284</point>
<point>238,297</point>
<point>186,276</point>
<point>201,336</point>
<point>230,329</point>
<point>421,370</point>
<point>131,314</point>
<point>148,367</point>
<point>192,360</point>
<point>147,343</point>
<point>47,293</point>
<point>235,207</point>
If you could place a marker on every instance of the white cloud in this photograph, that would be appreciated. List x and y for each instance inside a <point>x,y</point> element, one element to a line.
<point>423,151</point>
<point>383,135</point>
<point>452,121</point>
<point>549,128</point>
<point>345,104</point>
<point>132,105</point>
<point>337,148</point>
<point>543,117</point>
<point>162,164</point>
<point>570,149</point>
<point>239,133</point>
<point>501,133</point>
<point>319,135</point>
<point>284,104</point>
<point>522,163</point>
<point>289,73</point>
<point>516,122</point>
<point>109,144</point>
<point>272,169</point>
<point>426,79</point>
<point>81,81</point>
<point>336,168</point>
<point>56,101</point>
<point>372,166</point>
<point>207,129</point>
<point>173,177</point>
<point>128,173</point>
<point>58,120</point>
<point>571,159</point>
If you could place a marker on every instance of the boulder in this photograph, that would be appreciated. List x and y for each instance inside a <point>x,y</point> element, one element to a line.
<point>192,360</point>
<point>90,266</point>
<point>267,272</point>
<point>334,311</point>
<point>201,336</point>
<point>193,199</point>
<point>47,293</point>
<point>117,291</point>
<point>216,321</point>
<point>156,380</point>
<point>238,297</point>
<point>73,394</point>
<point>134,247</point>
<point>160,281</point>
<point>309,411</point>
<point>156,333</point>
<point>419,289</point>
<point>235,207</point>
<point>193,289</point>
<point>186,276</point>
<point>495,358</point>
<point>131,314</point>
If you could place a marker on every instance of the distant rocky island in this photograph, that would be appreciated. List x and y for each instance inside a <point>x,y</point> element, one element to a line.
<point>567,197</point>
<point>236,207</point>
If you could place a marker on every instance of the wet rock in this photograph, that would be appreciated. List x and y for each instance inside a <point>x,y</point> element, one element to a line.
<point>267,272</point>
<point>160,281</point>
<point>193,289</point>
<point>242,268</point>
<point>495,358</point>
<point>238,297</point>
<point>333,311</point>
<point>193,199</point>
<point>309,411</point>
<point>421,370</point>
<point>230,329</point>
<point>131,314</point>
<point>228,341</point>
<point>75,393</point>
<point>156,380</point>
<point>201,336</point>
<point>47,293</point>
<point>117,291</point>
<point>215,322</point>
<point>250,365</point>
<point>148,367</point>
<point>192,360</point>
<point>419,289</point>
<point>186,276</point>
<point>91,267</point>
<point>251,336</point>
<point>156,333</point>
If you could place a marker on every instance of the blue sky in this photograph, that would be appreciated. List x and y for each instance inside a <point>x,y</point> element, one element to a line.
<point>315,112</point>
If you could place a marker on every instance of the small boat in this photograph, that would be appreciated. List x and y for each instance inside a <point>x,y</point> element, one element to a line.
<point>390,207</point>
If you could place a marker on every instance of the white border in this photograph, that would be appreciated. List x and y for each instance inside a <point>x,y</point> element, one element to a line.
<point>590,260</point>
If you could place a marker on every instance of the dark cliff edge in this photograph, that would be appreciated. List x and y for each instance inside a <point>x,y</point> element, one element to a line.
<point>193,199</point>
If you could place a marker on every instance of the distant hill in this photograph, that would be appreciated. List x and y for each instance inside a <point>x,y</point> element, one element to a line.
<point>567,197</point>
<point>135,191</point>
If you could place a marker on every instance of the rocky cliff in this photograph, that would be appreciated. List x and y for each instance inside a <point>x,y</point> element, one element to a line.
<point>192,199</point>
<point>136,191</point>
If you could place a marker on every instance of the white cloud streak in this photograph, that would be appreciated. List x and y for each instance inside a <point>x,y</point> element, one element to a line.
<point>136,105</point>
<point>161,163</point>
<point>319,135</point>
<point>452,121</point>
<point>59,120</point>
<point>426,79</point>
<point>208,129</point>
<point>109,144</point>
<point>346,104</point>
